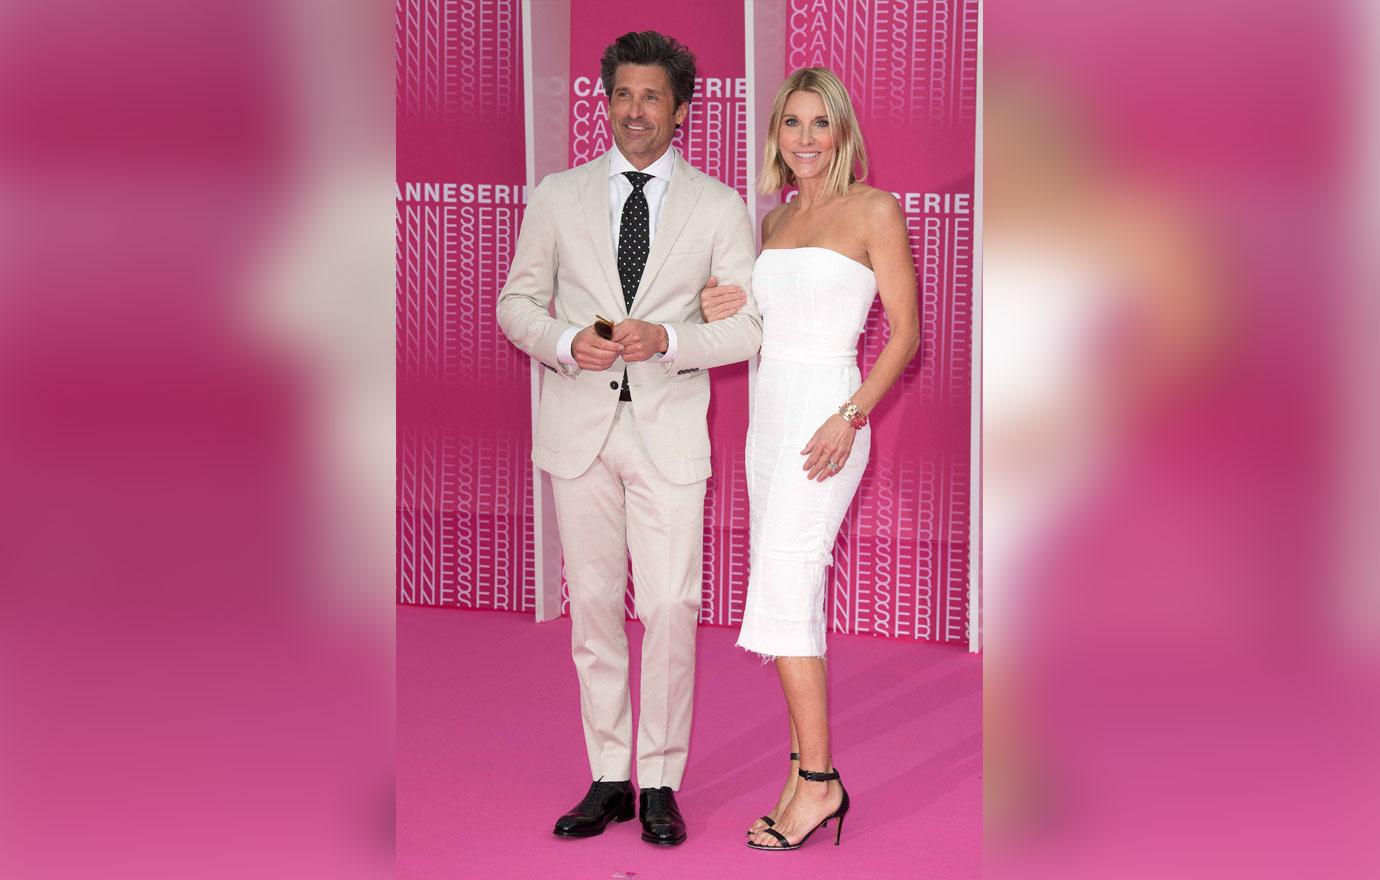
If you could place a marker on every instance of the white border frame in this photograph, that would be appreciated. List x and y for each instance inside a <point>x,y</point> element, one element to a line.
<point>975,430</point>
<point>530,159</point>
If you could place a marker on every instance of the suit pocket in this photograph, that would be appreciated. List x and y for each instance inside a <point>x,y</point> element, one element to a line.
<point>551,430</point>
<point>692,428</point>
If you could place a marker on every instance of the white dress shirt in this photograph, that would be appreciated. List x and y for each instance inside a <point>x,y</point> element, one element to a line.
<point>619,190</point>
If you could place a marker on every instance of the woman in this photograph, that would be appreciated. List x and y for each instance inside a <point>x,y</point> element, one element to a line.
<point>825,256</point>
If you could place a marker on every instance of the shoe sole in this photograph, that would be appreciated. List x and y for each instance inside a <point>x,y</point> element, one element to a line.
<point>582,834</point>
<point>656,841</point>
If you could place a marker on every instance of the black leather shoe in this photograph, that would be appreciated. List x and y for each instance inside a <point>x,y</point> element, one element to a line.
<point>661,821</point>
<point>604,802</point>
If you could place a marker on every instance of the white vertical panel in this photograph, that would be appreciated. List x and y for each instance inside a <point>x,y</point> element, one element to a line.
<point>975,466</point>
<point>554,32</point>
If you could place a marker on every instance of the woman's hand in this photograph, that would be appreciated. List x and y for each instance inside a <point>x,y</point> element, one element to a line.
<point>832,443</point>
<point>721,301</point>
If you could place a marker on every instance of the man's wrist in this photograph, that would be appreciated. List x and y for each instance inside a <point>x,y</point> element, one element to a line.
<point>565,345</point>
<point>665,342</point>
<point>667,354</point>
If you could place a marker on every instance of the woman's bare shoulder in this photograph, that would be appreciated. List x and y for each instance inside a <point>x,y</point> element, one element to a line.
<point>878,208</point>
<point>865,203</point>
<point>773,217</point>
<point>871,198</point>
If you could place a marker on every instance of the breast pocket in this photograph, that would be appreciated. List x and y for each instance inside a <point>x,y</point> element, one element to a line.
<point>688,263</point>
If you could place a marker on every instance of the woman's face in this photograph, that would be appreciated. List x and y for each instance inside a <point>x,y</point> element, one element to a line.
<point>805,139</point>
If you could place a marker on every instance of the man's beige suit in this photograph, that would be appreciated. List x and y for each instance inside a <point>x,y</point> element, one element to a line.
<point>630,477</point>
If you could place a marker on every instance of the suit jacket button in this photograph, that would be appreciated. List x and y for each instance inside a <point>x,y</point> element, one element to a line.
<point>614,385</point>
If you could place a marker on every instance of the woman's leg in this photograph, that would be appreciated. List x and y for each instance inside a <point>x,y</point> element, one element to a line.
<point>802,679</point>
<point>788,789</point>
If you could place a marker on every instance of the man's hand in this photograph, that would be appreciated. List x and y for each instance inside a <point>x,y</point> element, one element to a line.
<point>639,339</point>
<point>593,353</point>
<point>721,301</point>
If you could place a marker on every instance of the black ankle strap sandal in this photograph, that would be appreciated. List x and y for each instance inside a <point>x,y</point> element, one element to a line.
<point>811,776</point>
<point>795,756</point>
<point>819,776</point>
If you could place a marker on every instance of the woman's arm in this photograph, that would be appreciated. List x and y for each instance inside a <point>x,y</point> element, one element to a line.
<point>888,247</point>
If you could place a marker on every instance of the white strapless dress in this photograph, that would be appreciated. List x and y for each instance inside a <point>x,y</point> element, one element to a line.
<point>814,304</point>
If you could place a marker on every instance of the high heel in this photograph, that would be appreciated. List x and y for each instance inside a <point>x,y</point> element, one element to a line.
<point>795,756</point>
<point>812,776</point>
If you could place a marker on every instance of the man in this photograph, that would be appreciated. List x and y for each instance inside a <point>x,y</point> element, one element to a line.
<point>632,236</point>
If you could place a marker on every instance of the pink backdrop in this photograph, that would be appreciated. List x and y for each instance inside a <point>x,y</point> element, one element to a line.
<point>465,526</point>
<point>464,529</point>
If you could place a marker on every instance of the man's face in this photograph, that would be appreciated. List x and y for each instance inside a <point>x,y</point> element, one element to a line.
<point>642,112</point>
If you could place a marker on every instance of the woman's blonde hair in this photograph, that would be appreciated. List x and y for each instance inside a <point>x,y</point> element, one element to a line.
<point>843,123</point>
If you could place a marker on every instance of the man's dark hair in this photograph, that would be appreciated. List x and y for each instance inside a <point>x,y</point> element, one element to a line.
<point>650,47</point>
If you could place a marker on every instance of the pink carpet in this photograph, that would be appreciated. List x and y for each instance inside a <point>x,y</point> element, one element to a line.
<point>490,752</point>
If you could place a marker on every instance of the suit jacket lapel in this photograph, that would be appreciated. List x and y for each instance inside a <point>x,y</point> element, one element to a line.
<point>594,197</point>
<point>681,197</point>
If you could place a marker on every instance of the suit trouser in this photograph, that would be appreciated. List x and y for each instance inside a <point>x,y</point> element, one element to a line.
<point>623,504</point>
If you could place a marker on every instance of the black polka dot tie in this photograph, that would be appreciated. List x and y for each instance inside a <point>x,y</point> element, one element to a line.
<point>633,240</point>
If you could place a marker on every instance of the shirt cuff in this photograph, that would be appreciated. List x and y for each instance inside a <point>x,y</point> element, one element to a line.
<point>563,346</point>
<point>670,354</point>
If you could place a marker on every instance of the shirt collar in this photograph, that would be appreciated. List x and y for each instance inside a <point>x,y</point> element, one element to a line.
<point>660,168</point>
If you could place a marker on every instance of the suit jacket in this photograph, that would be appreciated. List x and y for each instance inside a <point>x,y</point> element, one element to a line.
<point>566,252</point>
